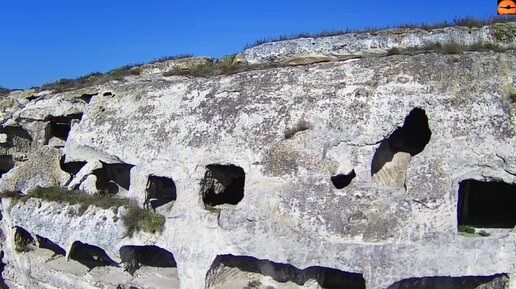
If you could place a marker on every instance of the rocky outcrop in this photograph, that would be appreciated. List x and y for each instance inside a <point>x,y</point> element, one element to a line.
<point>369,192</point>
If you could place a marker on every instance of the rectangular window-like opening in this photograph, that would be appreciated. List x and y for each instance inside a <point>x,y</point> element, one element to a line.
<point>486,204</point>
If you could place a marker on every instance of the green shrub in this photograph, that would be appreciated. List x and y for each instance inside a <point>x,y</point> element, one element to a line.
<point>136,219</point>
<point>300,126</point>
<point>453,48</point>
<point>466,229</point>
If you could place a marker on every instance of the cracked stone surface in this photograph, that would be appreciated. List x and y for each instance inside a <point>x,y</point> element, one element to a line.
<point>397,228</point>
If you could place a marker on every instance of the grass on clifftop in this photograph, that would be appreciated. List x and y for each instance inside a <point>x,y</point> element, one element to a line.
<point>4,91</point>
<point>135,219</point>
<point>91,79</point>
<point>226,66</point>
<point>459,21</point>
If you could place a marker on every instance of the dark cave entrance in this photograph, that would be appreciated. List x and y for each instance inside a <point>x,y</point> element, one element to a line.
<point>112,177</point>
<point>411,139</point>
<point>23,241</point>
<point>59,126</point>
<point>71,167</point>
<point>223,184</point>
<point>486,204</point>
<point>6,164</point>
<point>90,256</point>
<point>160,191</point>
<point>328,278</point>
<point>47,244</point>
<point>134,257</point>
<point>499,281</point>
<point>341,181</point>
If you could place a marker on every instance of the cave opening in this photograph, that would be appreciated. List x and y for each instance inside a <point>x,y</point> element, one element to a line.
<point>499,281</point>
<point>223,184</point>
<point>160,191</point>
<point>23,240</point>
<point>341,181</point>
<point>134,257</point>
<point>90,256</point>
<point>59,127</point>
<point>112,177</point>
<point>391,159</point>
<point>45,243</point>
<point>71,167</point>
<point>486,204</point>
<point>6,164</point>
<point>247,269</point>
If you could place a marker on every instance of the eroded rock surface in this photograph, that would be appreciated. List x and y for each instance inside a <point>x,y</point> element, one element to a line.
<point>356,192</point>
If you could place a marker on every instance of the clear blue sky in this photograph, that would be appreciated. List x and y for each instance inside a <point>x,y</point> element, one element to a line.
<point>45,40</point>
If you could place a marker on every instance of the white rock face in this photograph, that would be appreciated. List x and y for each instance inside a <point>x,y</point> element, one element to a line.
<point>310,50</point>
<point>400,185</point>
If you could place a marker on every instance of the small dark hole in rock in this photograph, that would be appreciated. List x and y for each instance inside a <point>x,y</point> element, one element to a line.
<point>341,181</point>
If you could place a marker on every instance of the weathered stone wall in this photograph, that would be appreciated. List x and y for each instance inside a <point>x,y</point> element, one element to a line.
<point>397,225</point>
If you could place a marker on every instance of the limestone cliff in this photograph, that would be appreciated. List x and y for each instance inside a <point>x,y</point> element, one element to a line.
<point>352,170</point>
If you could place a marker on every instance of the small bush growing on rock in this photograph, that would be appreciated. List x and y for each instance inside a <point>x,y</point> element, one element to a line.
<point>466,229</point>
<point>453,48</point>
<point>136,219</point>
<point>300,126</point>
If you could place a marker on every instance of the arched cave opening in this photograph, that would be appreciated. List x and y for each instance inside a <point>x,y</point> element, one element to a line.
<point>392,157</point>
<point>486,204</point>
<point>59,127</point>
<point>23,240</point>
<point>134,257</point>
<point>341,181</point>
<point>18,140</point>
<point>160,191</point>
<point>245,270</point>
<point>223,184</point>
<point>112,177</point>
<point>47,244</point>
<point>90,256</point>
<point>6,164</point>
<point>499,281</point>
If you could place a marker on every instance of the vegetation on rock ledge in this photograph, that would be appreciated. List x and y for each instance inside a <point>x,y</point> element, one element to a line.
<point>135,218</point>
